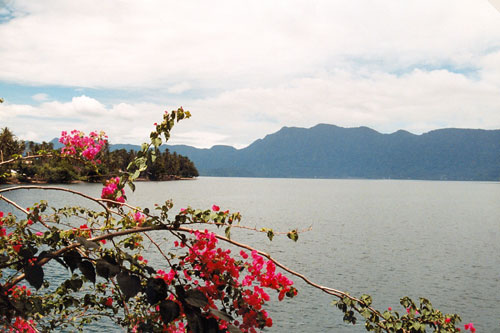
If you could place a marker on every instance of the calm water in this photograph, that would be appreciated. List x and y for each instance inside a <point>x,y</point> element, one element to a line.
<point>387,238</point>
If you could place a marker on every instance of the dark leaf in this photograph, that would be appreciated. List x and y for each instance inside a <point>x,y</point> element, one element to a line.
<point>156,290</point>
<point>76,284</point>
<point>233,329</point>
<point>86,243</point>
<point>169,310</point>
<point>72,259</point>
<point>107,267</point>
<point>34,275</point>
<point>210,325</point>
<point>221,315</point>
<point>196,298</point>
<point>195,320</point>
<point>27,253</point>
<point>129,284</point>
<point>4,259</point>
<point>87,270</point>
<point>45,254</point>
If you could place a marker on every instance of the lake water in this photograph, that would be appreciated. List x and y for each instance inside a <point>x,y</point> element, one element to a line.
<point>387,238</point>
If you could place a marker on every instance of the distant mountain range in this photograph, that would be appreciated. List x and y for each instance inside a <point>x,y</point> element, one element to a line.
<point>328,151</point>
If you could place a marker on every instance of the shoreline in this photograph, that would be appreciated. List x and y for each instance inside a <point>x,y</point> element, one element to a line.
<point>37,182</point>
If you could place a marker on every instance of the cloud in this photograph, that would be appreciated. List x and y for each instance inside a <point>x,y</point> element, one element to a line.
<point>418,101</point>
<point>179,88</point>
<point>40,97</point>
<point>234,44</point>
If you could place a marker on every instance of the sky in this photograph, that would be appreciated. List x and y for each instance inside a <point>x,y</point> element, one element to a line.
<point>245,69</point>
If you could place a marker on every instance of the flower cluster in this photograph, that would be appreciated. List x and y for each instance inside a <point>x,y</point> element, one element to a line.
<point>77,143</point>
<point>20,324</point>
<point>113,190</point>
<point>217,269</point>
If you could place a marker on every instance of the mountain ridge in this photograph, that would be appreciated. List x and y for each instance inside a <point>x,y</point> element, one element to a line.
<point>330,151</point>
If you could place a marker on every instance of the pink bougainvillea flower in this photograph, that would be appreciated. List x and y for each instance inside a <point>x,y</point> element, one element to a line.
<point>447,320</point>
<point>215,208</point>
<point>1,214</point>
<point>470,326</point>
<point>109,302</point>
<point>389,309</point>
<point>39,234</point>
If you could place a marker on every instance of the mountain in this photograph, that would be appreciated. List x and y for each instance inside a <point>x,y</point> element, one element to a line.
<point>328,151</point>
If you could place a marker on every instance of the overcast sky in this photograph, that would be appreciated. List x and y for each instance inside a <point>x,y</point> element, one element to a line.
<point>247,68</point>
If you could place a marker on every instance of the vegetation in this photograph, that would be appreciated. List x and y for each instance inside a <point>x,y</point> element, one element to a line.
<point>53,167</point>
<point>198,287</point>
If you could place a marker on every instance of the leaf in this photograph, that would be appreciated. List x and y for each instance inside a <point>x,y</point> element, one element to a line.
<point>86,243</point>
<point>293,235</point>
<point>34,275</point>
<point>106,269</point>
<point>221,315</point>
<point>132,186</point>
<point>169,310</point>
<point>196,298</point>
<point>156,290</point>
<point>129,284</point>
<point>87,270</point>
<point>233,329</point>
<point>4,259</point>
<point>27,253</point>
<point>76,284</point>
<point>72,259</point>
<point>45,254</point>
<point>210,325</point>
<point>228,232</point>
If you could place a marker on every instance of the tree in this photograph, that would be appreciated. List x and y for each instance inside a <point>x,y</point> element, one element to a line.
<point>206,289</point>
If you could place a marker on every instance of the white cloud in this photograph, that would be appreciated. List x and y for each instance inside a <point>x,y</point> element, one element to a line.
<point>418,101</point>
<point>245,69</point>
<point>179,88</point>
<point>40,97</point>
<point>234,43</point>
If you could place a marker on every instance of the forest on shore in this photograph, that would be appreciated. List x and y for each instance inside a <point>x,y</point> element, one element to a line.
<point>50,167</point>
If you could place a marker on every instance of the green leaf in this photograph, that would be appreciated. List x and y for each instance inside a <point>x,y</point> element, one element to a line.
<point>157,142</point>
<point>227,231</point>
<point>367,299</point>
<point>293,235</point>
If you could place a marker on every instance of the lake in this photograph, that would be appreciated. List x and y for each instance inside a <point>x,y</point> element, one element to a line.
<point>386,238</point>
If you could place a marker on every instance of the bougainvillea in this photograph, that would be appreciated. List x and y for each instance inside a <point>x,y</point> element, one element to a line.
<point>198,286</point>
<point>78,144</point>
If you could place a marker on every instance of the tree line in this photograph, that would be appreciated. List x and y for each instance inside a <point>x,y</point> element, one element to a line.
<point>53,168</point>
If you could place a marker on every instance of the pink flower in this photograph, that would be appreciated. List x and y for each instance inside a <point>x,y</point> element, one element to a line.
<point>389,309</point>
<point>470,326</point>
<point>215,208</point>
<point>109,302</point>
<point>39,234</point>
<point>447,320</point>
